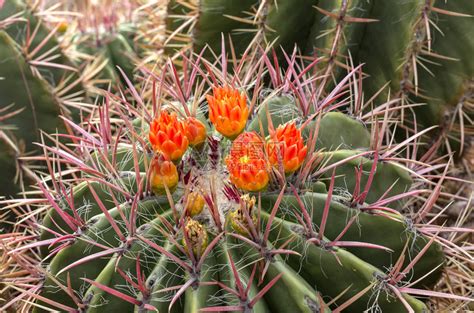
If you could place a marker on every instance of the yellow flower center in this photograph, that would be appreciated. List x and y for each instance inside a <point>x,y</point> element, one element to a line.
<point>244,159</point>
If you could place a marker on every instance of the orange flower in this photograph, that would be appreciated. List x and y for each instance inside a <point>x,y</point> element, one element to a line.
<point>163,173</point>
<point>287,144</point>
<point>168,136</point>
<point>228,111</point>
<point>196,131</point>
<point>247,164</point>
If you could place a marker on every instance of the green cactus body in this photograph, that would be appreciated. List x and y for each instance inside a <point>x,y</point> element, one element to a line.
<point>331,270</point>
<point>126,262</point>
<point>114,48</point>
<point>8,167</point>
<point>339,131</point>
<point>448,88</point>
<point>365,228</point>
<point>303,298</point>
<point>200,296</point>
<point>332,38</point>
<point>165,274</point>
<point>281,109</point>
<point>101,232</point>
<point>388,176</point>
<point>225,256</point>
<point>40,107</point>
<point>212,23</point>
<point>54,75</point>
<point>336,130</point>
<point>108,74</point>
<point>279,21</point>
<point>286,24</point>
<point>122,53</point>
<point>398,19</point>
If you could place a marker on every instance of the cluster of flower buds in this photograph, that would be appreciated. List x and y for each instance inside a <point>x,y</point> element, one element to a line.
<point>251,157</point>
<point>170,138</point>
<point>249,161</point>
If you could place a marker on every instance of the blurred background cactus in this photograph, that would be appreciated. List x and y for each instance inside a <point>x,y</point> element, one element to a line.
<point>236,155</point>
<point>61,57</point>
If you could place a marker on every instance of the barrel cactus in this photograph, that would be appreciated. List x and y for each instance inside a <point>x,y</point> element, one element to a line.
<point>211,192</point>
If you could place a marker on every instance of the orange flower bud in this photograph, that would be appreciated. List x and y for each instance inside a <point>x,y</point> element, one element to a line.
<point>163,173</point>
<point>196,131</point>
<point>168,136</point>
<point>286,144</point>
<point>194,204</point>
<point>228,111</point>
<point>247,164</point>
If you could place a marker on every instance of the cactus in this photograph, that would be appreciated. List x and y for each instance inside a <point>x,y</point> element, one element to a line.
<point>40,47</point>
<point>32,62</point>
<point>39,81</point>
<point>416,51</point>
<point>194,202</point>
<point>42,61</point>
<point>115,48</point>
<point>37,108</point>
